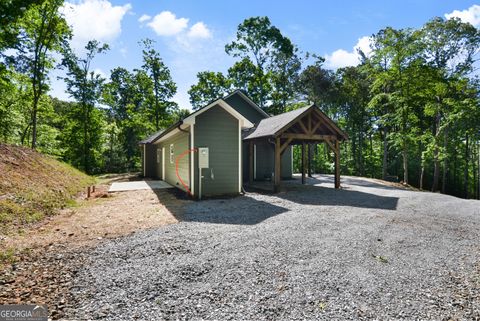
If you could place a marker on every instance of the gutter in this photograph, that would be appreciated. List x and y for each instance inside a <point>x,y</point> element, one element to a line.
<point>180,127</point>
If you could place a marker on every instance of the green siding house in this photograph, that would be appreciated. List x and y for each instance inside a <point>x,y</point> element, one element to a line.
<point>211,151</point>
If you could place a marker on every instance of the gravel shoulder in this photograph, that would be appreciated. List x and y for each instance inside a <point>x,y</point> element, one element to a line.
<point>49,254</point>
<point>368,251</point>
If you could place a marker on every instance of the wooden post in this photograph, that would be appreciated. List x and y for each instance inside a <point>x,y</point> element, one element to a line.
<point>310,160</point>
<point>93,188</point>
<point>88,192</point>
<point>277,165</point>
<point>337,164</point>
<point>303,163</point>
<point>250,162</point>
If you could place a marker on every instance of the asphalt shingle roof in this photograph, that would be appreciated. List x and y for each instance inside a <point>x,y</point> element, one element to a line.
<point>270,126</point>
<point>151,138</point>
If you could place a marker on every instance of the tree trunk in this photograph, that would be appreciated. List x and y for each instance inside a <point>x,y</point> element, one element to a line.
<point>474,170</point>
<point>422,172</point>
<point>25,134</point>
<point>385,154</point>
<point>436,169</point>
<point>34,121</point>
<point>478,174</point>
<point>455,171</point>
<point>86,162</point>
<point>465,171</point>
<point>445,159</point>
<point>405,163</point>
<point>436,161</point>
<point>422,167</point>
<point>360,154</point>
<point>371,167</point>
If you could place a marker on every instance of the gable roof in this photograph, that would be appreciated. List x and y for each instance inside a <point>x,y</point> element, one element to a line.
<point>270,126</point>
<point>190,120</point>
<point>248,100</point>
<point>273,125</point>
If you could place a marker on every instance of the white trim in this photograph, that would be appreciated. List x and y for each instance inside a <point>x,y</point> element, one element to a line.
<point>251,102</point>
<point>190,120</point>
<point>144,160</point>
<point>254,161</point>
<point>167,136</point>
<point>163,162</point>
<point>192,160</point>
<point>240,169</point>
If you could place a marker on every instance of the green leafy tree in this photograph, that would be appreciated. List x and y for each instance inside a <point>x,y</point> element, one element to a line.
<point>125,94</point>
<point>285,71</point>
<point>210,86</point>
<point>258,41</point>
<point>42,31</point>
<point>245,76</point>
<point>85,86</point>
<point>318,85</point>
<point>450,47</point>
<point>163,86</point>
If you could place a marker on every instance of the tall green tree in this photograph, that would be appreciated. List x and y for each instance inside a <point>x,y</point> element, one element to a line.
<point>450,47</point>
<point>126,97</point>
<point>354,97</point>
<point>246,76</point>
<point>285,71</point>
<point>85,86</point>
<point>258,41</point>
<point>42,31</point>
<point>400,48</point>
<point>164,88</point>
<point>318,85</point>
<point>211,85</point>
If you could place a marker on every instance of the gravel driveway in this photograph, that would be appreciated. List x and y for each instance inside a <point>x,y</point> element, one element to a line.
<point>367,251</point>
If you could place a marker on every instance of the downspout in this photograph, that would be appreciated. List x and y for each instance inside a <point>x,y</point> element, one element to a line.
<point>180,128</point>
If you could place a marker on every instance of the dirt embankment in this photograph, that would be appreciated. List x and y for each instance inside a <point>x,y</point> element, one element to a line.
<point>34,186</point>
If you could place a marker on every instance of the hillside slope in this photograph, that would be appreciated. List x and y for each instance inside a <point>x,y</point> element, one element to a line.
<point>33,185</point>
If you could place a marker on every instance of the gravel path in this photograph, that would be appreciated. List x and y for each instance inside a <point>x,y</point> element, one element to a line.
<point>365,252</point>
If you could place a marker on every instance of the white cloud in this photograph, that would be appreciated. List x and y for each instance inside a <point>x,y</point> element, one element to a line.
<point>94,19</point>
<point>342,58</point>
<point>363,44</point>
<point>471,15</point>
<point>144,17</point>
<point>166,24</point>
<point>199,30</point>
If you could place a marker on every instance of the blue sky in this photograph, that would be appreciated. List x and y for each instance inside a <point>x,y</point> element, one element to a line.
<point>191,35</point>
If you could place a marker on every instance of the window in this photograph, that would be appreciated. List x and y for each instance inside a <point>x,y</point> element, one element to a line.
<point>159,155</point>
<point>172,158</point>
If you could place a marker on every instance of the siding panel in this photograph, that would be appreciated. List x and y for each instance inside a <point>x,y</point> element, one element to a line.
<point>180,145</point>
<point>218,130</point>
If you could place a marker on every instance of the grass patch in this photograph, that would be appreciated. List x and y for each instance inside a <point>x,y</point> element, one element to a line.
<point>33,186</point>
<point>7,256</point>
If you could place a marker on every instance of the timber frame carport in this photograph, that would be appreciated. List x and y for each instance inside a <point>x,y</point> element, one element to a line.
<point>298,127</point>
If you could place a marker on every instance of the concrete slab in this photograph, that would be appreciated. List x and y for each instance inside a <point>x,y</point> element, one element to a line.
<point>138,185</point>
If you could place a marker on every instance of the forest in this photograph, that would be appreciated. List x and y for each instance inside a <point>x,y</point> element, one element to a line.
<point>411,107</point>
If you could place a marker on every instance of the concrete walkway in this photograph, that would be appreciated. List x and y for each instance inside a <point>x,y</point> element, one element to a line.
<point>138,185</point>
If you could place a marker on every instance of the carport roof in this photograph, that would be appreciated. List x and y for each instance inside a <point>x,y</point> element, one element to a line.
<point>272,126</point>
